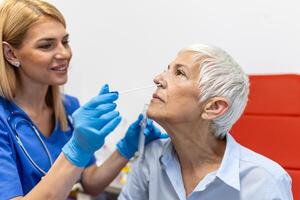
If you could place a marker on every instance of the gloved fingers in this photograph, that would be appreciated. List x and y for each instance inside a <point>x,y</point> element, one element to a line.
<point>110,126</point>
<point>146,131</point>
<point>163,136</point>
<point>106,106</point>
<point>104,89</point>
<point>94,123</point>
<point>101,99</point>
<point>136,123</point>
<point>85,115</point>
<point>151,129</point>
<point>156,130</point>
<point>97,123</point>
<point>109,116</point>
<point>149,122</point>
<point>150,133</point>
<point>149,125</point>
<point>115,91</point>
<point>102,109</point>
<point>96,112</point>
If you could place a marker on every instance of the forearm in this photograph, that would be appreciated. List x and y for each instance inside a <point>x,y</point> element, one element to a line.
<point>96,179</point>
<point>57,183</point>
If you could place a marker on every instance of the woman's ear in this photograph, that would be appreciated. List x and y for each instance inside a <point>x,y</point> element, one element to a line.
<point>10,55</point>
<point>215,107</point>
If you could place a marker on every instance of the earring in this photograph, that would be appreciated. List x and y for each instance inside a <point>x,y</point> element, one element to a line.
<point>17,64</point>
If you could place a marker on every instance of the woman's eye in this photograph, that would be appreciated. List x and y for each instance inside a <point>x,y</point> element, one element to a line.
<point>45,46</point>
<point>66,42</point>
<point>180,73</point>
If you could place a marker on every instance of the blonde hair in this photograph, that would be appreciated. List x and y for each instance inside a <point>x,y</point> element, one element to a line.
<point>16,18</point>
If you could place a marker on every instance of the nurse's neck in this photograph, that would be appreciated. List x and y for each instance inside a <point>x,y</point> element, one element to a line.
<point>31,98</point>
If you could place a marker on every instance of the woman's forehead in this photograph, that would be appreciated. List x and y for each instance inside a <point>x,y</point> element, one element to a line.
<point>190,59</point>
<point>45,27</point>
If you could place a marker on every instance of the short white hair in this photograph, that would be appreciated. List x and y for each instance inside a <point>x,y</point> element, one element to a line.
<point>221,76</point>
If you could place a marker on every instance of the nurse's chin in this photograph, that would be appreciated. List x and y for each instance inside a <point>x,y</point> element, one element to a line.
<point>59,81</point>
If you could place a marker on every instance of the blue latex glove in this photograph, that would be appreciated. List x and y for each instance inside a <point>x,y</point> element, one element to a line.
<point>129,144</point>
<point>92,123</point>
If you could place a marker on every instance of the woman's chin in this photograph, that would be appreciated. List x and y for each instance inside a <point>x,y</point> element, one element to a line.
<point>155,116</point>
<point>150,115</point>
<point>60,82</point>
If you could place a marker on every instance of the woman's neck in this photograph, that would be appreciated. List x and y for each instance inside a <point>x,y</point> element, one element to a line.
<point>199,152</point>
<point>196,145</point>
<point>31,98</point>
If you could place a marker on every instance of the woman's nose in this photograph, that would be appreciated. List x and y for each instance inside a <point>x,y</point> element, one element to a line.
<point>160,81</point>
<point>63,52</point>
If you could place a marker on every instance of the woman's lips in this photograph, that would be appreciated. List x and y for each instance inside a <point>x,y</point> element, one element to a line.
<point>156,97</point>
<point>62,67</point>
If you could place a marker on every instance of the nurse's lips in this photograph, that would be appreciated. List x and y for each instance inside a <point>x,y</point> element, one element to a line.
<point>60,67</point>
<point>155,96</point>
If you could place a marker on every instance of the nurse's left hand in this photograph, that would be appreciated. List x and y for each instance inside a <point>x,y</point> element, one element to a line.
<point>129,144</point>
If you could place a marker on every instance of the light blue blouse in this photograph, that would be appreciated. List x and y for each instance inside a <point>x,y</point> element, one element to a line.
<point>243,175</point>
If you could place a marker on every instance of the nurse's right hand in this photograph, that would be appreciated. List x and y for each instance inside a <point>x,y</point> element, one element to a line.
<point>92,123</point>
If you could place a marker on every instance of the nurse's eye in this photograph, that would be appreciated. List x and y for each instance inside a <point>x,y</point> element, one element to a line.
<point>66,42</point>
<point>45,46</point>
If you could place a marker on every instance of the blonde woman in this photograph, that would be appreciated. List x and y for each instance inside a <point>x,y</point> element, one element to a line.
<point>42,153</point>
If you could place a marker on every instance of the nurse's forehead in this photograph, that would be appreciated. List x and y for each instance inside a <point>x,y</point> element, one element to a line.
<point>46,28</point>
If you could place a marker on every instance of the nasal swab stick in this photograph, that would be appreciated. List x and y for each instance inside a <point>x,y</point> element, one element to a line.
<point>143,125</point>
<point>136,89</point>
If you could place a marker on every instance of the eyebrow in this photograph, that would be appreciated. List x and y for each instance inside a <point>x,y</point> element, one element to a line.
<point>180,65</point>
<point>52,39</point>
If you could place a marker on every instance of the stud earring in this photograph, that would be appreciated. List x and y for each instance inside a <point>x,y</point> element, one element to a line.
<point>16,64</point>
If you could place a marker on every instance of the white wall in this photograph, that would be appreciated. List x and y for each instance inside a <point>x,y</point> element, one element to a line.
<point>125,43</point>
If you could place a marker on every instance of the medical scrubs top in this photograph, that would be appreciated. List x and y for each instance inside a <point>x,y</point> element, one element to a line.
<point>17,174</point>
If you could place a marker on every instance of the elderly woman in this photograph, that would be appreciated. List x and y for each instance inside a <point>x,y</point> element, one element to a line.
<point>198,99</point>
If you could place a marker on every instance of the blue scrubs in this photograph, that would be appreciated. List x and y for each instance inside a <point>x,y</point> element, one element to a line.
<point>17,174</point>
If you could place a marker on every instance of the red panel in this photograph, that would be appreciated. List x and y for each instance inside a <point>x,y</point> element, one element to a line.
<point>295,175</point>
<point>276,137</point>
<point>274,94</point>
<point>271,122</point>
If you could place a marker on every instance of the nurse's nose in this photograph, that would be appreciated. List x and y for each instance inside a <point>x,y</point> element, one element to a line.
<point>63,52</point>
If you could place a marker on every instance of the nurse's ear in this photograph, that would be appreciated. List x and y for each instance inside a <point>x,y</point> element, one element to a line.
<point>214,108</point>
<point>9,54</point>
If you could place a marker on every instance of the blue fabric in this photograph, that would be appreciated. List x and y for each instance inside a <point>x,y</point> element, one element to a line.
<point>243,175</point>
<point>17,175</point>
